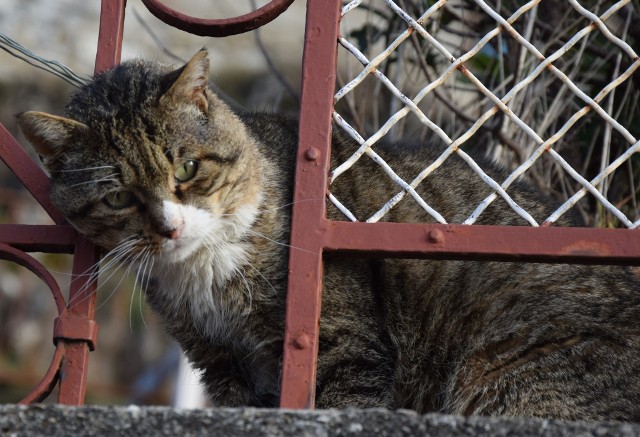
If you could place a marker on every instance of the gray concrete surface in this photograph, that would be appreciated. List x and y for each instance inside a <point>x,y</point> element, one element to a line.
<point>58,420</point>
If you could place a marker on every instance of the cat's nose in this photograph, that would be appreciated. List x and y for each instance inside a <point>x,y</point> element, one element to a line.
<point>174,233</point>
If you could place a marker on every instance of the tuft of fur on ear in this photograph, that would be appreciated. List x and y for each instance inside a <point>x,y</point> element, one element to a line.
<point>48,133</point>
<point>191,84</point>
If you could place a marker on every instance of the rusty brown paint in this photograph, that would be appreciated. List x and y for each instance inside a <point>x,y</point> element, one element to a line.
<point>435,236</point>
<point>28,172</point>
<point>218,27</point>
<point>73,373</point>
<point>16,256</point>
<point>74,365</point>
<point>110,34</point>
<point>305,266</point>
<point>48,381</point>
<point>312,154</point>
<point>39,238</point>
<point>70,327</point>
<point>478,242</point>
<point>302,341</point>
<point>82,298</point>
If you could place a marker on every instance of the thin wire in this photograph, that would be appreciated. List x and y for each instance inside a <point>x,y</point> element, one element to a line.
<point>56,68</point>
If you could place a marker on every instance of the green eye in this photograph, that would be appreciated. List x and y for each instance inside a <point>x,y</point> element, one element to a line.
<point>119,199</point>
<point>186,171</point>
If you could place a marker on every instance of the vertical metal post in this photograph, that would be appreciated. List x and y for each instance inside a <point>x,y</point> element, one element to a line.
<point>81,307</point>
<point>110,34</point>
<point>308,218</point>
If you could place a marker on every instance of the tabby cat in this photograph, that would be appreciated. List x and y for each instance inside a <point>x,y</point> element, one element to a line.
<point>152,165</point>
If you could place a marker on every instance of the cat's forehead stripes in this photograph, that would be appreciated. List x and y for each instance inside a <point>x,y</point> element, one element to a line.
<point>220,157</point>
<point>135,154</point>
<point>169,155</point>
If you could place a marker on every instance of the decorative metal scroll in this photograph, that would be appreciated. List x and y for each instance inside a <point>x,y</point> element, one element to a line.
<point>75,330</point>
<point>218,27</point>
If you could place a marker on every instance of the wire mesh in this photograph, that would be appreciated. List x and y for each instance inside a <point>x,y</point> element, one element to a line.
<point>501,102</point>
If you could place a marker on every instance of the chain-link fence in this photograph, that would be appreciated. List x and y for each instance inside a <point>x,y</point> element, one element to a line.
<point>547,88</point>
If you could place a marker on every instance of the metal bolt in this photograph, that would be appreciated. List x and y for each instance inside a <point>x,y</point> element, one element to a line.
<point>435,236</point>
<point>312,154</point>
<point>302,341</point>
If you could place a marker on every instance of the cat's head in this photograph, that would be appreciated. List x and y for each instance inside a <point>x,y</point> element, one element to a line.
<point>149,157</point>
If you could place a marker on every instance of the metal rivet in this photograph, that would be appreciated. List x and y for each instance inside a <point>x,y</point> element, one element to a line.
<point>312,154</point>
<point>302,341</point>
<point>435,236</point>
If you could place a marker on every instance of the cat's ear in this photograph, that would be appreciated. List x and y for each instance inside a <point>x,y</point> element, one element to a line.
<point>48,133</point>
<point>191,85</point>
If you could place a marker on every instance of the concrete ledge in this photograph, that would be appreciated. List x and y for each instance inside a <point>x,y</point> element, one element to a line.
<point>58,420</point>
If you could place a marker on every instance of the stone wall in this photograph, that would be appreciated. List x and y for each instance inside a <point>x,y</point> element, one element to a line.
<point>160,421</point>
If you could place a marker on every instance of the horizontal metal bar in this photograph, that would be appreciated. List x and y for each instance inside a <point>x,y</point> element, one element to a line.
<point>487,243</point>
<point>39,238</point>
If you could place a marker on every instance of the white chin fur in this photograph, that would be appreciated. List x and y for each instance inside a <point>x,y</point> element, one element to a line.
<point>201,260</point>
<point>206,234</point>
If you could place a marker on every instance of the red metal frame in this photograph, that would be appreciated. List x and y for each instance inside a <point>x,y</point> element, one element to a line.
<point>312,232</point>
<point>218,27</point>
<point>75,330</point>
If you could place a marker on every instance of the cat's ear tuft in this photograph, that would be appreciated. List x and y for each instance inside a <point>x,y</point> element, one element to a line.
<point>191,85</point>
<point>48,133</point>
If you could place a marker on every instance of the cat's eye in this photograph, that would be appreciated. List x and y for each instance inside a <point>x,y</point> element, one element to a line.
<point>186,171</point>
<point>119,199</point>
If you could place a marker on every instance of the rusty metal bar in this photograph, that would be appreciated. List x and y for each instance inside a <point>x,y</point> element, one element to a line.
<point>484,243</point>
<point>48,381</point>
<point>110,34</point>
<point>39,238</point>
<point>315,234</point>
<point>81,306</point>
<point>82,298</point>
<point>28,172</point>
<point>305,266</point>
<point>16,256</point>
<point>217,27</point>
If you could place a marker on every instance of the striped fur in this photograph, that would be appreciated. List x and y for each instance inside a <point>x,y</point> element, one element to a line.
<point>487,338</point>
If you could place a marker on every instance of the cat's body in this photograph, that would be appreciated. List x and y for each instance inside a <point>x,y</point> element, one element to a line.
<point>457,337</point>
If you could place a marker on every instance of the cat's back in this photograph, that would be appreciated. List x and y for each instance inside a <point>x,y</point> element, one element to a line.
<point>468,337</point>
<point>551,340</point>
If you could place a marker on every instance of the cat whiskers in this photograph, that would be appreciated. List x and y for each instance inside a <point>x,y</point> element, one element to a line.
<point>75,170</point>
<point>112,257</point>
<point>129,261</point>
<point>286,205</point>
<point>260,235</point>
<point>109,178</point>
<point>275,293</point>
<point>214,246</point>
<point>139,281</point>
<point>145,286</point>
<point>121,254</point>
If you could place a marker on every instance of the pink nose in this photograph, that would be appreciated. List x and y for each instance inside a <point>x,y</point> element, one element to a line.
<point>173,234</point>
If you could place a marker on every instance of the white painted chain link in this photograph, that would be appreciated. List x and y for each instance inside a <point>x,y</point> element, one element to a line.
<point>499,104</point>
